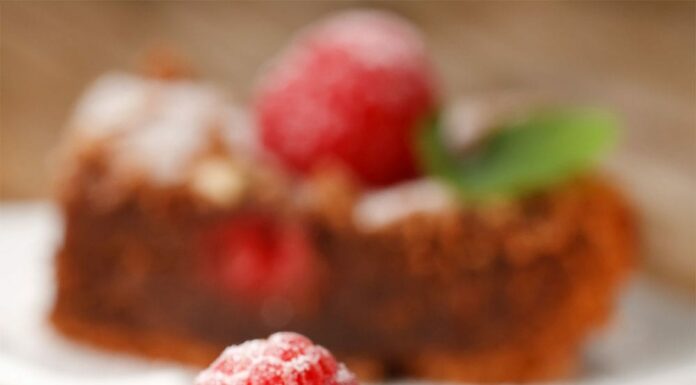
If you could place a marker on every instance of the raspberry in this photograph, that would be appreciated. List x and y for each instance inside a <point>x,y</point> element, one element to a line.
<point>351,89</point>
<point>253,256</point>
<point>283,359</point>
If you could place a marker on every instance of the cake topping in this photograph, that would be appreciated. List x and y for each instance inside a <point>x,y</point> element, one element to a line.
<point>283,359</point>
<point>110,103</point>
<point>157,128</point>
<point>172,131</point>
<point>383,207</point>
<point>220,181</point>
<point>350,89</point>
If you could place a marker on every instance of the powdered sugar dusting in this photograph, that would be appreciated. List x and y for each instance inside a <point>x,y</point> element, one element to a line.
<point>156,127</point>
<point>171,131</point>
<point>283,359</point>
<point>384,207</point>
<point>110,101</point>
<point>372,39</point>
<point>343,375</point>
<point>378,38</point>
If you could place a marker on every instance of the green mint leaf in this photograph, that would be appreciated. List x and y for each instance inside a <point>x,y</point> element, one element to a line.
<point>526,156</point>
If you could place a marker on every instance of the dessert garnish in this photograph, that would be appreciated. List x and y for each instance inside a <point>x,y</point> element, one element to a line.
<point>284,358</point>
<point>524,156</point>
<point>358,89</point>
<point>353,89</point>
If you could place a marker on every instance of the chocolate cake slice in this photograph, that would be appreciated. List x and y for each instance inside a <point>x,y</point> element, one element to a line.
<point>403,278</point>
<point>188,229</point>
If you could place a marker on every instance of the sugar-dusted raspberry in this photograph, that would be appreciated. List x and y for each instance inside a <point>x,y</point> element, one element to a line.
<point>254,256</point>
<point>350,89</point>
<point>283,359</point>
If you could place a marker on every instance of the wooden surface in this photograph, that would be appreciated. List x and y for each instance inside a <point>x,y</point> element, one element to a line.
<point>639,58</point>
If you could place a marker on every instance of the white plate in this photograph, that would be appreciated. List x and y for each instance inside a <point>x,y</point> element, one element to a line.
<point>652,340</point>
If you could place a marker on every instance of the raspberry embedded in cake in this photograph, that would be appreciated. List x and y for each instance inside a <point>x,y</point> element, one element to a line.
<point>255,256</point>
<point>285,358</point>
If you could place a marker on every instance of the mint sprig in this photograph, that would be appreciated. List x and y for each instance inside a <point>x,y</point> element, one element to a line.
<point>522,157</point>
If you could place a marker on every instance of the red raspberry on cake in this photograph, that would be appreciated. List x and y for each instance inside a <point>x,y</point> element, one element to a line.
<point>351,89</point>
<point>283,359</point>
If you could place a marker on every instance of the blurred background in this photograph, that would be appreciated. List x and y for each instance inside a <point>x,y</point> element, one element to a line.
<point>638,58</point>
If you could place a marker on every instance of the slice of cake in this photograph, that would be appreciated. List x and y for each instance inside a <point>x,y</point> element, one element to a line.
<point>344,209</point>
